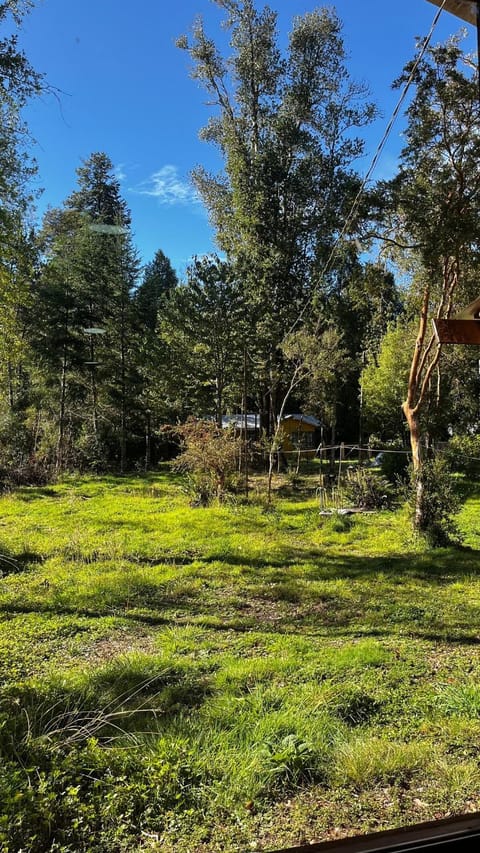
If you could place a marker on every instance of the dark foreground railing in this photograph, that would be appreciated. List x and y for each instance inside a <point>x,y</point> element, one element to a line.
<point>445,836</point>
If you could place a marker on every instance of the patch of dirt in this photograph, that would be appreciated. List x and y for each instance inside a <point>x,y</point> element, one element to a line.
<point>445,659</point>
<point>105,648</point>
<point>263,611</point>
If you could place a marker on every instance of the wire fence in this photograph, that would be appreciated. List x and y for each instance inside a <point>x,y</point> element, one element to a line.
<point>368,450</point>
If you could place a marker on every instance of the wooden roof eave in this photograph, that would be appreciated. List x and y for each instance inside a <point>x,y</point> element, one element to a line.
<point>464,9</point>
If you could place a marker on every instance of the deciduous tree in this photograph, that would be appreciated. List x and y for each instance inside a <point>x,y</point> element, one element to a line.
<point>437,212</point>
<point>286,127</point>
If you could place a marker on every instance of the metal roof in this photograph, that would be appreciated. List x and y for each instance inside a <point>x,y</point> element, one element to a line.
<point>253,420</point>
<point>306,419</point>
<point>238,421</point>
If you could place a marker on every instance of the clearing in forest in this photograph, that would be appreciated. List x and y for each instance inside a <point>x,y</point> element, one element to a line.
<point>179,679</point>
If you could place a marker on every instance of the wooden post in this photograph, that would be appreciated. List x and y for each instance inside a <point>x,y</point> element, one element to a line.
<point>341,458</point>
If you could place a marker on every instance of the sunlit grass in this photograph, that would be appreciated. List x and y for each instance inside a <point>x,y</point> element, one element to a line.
<point>228,661</point>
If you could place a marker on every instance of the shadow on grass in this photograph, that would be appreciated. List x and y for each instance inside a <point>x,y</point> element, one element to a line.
<point>132,694</point>
<point>13,564</point>
<point>289,614</point>
<point>442,566</point>
<point>283,626</point>
<point>466,488</point>
<point>33,493</point>
<point>296,495</point>
<point>296,591</point>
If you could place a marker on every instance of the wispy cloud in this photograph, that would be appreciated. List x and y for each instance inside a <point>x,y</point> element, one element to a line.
<point>119,172</point>
<point>168,187</point>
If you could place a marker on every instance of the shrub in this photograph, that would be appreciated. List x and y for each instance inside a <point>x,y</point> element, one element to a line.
<point>89,453</point>
<point>210,459</point>
<point>434,502</point>
<point>90,798</point>
<point>21,462</point>
<point>368,490</point>
<point>394,465</point>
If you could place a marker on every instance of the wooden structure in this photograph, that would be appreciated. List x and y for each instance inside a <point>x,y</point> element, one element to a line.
<point>464,9</point>
<point>300,432</point>
<point>463,328</point>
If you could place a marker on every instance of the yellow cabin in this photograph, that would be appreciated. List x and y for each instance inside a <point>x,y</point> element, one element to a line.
<point>301,432</point>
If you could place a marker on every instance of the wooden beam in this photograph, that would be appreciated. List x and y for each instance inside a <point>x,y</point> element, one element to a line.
<point>457,331</point>
<point>471,312</point>
<point>464,9</point>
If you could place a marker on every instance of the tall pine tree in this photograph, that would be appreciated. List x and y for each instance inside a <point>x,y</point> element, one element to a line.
<point>91,259</point>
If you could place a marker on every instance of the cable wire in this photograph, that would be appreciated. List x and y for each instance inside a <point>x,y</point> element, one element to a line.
<point>316,451</point>
<point>425,43</point>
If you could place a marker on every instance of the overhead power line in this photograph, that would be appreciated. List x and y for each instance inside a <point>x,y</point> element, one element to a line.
<point>424,45</point>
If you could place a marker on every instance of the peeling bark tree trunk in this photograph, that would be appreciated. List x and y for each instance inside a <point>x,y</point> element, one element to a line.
<point>425,359</point>
<point>416,446</point>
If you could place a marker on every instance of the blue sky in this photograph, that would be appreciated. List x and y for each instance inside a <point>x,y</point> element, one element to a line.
<point>125,89</point>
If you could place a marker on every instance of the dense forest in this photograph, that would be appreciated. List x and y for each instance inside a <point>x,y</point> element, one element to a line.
<point>314,300</point>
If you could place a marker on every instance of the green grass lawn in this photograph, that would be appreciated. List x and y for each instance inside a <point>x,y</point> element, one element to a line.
<point>228,679</point>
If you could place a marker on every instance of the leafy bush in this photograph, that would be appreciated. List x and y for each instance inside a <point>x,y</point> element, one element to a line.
<point>368,490</point>
<point>434,502</point>
<point>89,453</point>
<point>210,459</point>
<point>25,472</point>
<point>21,462</point>
<point>394,465</point>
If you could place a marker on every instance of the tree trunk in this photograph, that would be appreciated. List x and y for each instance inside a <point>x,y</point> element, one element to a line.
<point>11,394</point>
<point>418,384</point>
<point>61,425</point>
<point>219,401</point>
<point>148,441</point>
<point>415,435</point>
<point>271,460</point>
<point>415,443</point>
<point>245,422</point>
<point>94,390</point>
<point>123,422</point>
